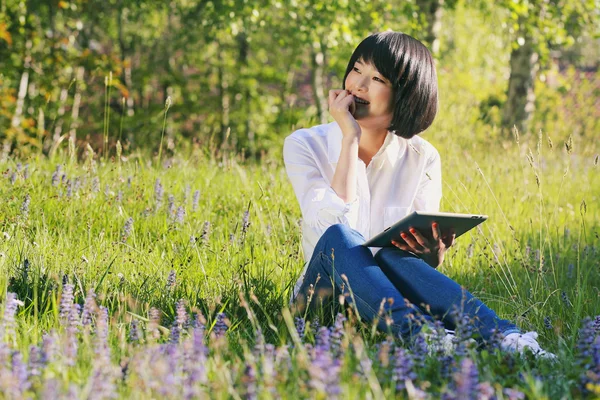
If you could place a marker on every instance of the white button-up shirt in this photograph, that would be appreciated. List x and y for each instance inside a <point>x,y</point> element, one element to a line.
<point>404,176</point>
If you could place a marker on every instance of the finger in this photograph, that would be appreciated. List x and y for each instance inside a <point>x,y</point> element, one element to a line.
<point>437,233</point>
<point>451,240</point>
<point>411,242</point>
<point>419,238</point>
<point>333,93</point>
<point>349,104</point>
<point>448,240</point>
<point>338,102</point>
<point>401,246</point>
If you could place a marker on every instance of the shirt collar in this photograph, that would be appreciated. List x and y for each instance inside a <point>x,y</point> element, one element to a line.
<point>393,146</point>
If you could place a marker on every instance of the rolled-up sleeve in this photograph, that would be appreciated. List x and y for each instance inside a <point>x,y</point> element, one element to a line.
<point>429,194</point>
<point>321,207</point>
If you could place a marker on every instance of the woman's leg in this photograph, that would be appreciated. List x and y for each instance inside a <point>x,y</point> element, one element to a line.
<point>426,287</point>
<point>339,253</point>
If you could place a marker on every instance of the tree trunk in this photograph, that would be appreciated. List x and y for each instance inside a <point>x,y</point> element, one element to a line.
<point>317,58</point>
<point>433,10</point>
<point>520,102</point>
<point>244,48</point>
<point>76,104</point>
<point>125,61</point>
<point>224,99</point>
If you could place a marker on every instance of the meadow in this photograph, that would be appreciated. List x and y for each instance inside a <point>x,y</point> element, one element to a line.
<point>133,278</point>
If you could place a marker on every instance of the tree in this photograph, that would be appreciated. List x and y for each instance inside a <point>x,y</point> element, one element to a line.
<point>537,26</point>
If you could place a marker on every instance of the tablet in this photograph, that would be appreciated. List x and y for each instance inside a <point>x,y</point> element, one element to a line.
<point>422,221</point>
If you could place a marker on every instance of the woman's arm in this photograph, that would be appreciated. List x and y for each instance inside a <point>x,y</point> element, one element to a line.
<point>344,178</point>
<point>341,106</point>
<point>320,205</point>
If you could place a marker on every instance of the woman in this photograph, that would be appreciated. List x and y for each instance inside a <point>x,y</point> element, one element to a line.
<point>365,171</point>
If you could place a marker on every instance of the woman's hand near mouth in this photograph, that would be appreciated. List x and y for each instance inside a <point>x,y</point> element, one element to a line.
<point>342,108</point>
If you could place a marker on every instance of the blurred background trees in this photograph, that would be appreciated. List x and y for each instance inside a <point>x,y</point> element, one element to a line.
<point>242,74</point>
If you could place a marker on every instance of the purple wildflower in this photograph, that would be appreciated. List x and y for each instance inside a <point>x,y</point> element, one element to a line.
<point>89,307</point>
<point>403,368</point>
<point>315,325</point>
<point>300,327</point>
<point>7,325</point>
<point>205,232</point>
<point>587,335</point>
<point>104,374</point>
<point>591,375</point>
<point>35,365</point>
<point>221,327</point>
<point>268,371</point>
<point>49,348</point>
<point>51,389</point>
<point>249,381</point>
<point>324,371</point>
<point>513,394</point>
<point>127,229</point>
<point>195,200</point>
<point>13,178</point>
<point>259,343</point>
<point>20,375</point>
<point>186,193</point>
<point>71,341</point>
<point>547,322</point>
<point>26,172</point>
<point>154,317</point>
<point>493,343</point>
<point>101,343</point>
<point>171,205</point>
<point>134,334</point>
<point>180,323</point>
<point>570,271</point>
<point>158,193</point>
<point>337,333</point>
<point>119,196</point>
<point>66,300</point>
<point>447,365</point>
<point>565,299</point>
<point>419,350</point>
<point>323,339</point>
<point>194,363</point>
<point>465,384</point>
<point>171,279</point>
<point>245,224</point>
<point>384,352</point>
<point>596,325</point>
<point>180,215</point>
<point>95,184</point>
<point>25,206</point>
<point>70,186</point>
<point>56,175</point>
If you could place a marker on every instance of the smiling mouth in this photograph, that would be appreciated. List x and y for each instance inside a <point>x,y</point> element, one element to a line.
<point>358,100</point>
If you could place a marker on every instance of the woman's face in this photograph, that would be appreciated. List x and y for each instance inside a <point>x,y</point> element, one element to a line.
<point>366,83</point>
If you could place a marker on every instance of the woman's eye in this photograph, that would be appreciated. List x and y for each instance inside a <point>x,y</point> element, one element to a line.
<point>356,69</point>
<point>378,79</point>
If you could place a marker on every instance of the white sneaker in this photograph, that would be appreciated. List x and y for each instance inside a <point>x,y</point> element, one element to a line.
<point>518,342</point>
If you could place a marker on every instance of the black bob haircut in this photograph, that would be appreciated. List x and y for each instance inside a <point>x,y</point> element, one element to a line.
<point>409,66</point>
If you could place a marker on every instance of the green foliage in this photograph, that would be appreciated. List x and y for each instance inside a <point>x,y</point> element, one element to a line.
<point>238,72</point>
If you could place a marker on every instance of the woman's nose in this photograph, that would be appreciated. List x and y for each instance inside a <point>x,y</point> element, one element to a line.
<point>361,84</point>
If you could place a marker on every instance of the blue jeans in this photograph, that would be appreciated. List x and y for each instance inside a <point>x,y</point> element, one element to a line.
<point>396,282</point>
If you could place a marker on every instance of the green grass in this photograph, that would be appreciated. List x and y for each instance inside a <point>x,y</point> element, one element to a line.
<point>536,258</point>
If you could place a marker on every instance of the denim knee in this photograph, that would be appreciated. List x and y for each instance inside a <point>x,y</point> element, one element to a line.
<point>342,232</point>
